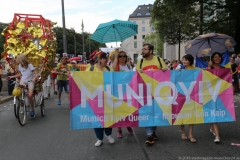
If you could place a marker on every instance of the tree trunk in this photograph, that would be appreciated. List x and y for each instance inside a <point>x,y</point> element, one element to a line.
<point>237,36</point>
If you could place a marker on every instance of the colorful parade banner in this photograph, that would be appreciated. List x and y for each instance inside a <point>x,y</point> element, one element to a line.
<point>152,98</point>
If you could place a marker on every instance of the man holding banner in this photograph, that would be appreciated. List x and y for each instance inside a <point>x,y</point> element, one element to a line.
<point>149,62</point>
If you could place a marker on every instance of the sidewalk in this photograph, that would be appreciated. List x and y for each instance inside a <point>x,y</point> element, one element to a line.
<point>4,97</point>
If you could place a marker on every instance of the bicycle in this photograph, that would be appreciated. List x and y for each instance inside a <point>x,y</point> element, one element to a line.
<point>15,99</point>
<point>22,108</point>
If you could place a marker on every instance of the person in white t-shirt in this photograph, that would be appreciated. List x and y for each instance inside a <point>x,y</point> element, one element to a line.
<point>120,65</point>
<point>120,62</point>
<point>28,76</point>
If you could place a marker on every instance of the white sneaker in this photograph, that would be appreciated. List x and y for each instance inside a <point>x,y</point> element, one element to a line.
<point>217,139</point>
<point>212,131</point>
<point>98,143</point>
<point>110,139</point>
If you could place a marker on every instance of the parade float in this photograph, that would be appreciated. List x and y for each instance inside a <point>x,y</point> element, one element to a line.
<point>33,36</point>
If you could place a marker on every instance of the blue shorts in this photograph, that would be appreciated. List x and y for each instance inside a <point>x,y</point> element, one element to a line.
<point>63,84</point>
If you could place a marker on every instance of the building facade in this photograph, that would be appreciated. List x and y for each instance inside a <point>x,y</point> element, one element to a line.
<point>133,45</point>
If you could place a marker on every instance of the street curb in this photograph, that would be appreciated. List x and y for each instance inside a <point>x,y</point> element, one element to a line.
<point>5,99</point>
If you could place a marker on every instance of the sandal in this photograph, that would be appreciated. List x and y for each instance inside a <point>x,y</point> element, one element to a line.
<point>184,137</point>
<point>212,131</point>
<point>192,139</point>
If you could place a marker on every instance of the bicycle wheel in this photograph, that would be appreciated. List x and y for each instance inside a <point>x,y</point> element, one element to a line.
<point>22,112</point>
<point>42,105</point>
<point>15,102</point>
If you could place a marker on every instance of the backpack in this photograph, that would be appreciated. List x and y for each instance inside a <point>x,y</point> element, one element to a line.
<point>158,61</point>
<point>92,68</point>
<point>129,67</point>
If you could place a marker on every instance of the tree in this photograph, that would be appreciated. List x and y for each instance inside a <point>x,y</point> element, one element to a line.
<point>70,33</point>
<point>154,39</point>
<point>175,21</point>
<point>2,38</point>
<point>220,16</point>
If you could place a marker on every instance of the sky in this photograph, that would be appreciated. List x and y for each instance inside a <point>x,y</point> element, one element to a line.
<point>92,12</point>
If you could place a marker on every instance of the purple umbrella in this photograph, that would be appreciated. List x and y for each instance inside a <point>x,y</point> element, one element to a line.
<point>207,44</point>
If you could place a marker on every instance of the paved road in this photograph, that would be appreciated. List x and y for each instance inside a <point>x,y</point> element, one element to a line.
<point>50,138</point>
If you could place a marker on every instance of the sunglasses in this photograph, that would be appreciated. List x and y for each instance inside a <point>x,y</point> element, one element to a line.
<point>122,56</point>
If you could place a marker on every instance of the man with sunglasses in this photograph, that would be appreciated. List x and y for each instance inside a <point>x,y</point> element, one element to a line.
<point>150,62</point>
<point>62,71</point>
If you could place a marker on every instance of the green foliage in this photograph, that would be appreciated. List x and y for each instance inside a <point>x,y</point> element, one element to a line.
<point>2,38</point>
<point>174,20</point>
<point>181,20</point>
<point>70,33</point>
<point>223,16</point>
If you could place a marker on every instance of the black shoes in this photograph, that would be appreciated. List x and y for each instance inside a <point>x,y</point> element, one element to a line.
<point>149,140</point>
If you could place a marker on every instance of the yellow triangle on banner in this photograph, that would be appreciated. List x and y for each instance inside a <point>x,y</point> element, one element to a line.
<point>120,112</point>
<point>165,92</point>
<point>191,113</point>
<point>91,80</point>
<point>208,76</point>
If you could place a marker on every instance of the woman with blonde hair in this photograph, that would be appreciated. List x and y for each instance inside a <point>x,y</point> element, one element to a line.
<point>28,76</point>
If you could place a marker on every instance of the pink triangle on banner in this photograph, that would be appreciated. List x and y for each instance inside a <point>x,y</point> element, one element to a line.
<point>99,111</point>
<point>177,108</point>
<point>75,94</point>
<point>195,92</point>
<point>221,73</point>
<point>134,85</point>
<point>227,101</point>
<point>160,76</point>
<point>127,121</point>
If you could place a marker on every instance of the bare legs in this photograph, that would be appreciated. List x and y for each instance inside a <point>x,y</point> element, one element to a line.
<point>190,131</point>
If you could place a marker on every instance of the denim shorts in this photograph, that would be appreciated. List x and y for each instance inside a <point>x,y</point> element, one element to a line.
<point>63,84</point>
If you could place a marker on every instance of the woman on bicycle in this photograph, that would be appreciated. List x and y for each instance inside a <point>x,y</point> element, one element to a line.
<point>28,76</point>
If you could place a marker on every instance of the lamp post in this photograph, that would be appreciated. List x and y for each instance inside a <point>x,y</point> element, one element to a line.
<point>83,35</point>
<point>89,45</point>
<point>156,46</point>
<point>75,45</point>
<point>64,29</point>
<point>179,40</point>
